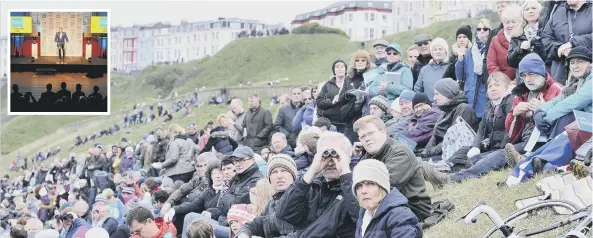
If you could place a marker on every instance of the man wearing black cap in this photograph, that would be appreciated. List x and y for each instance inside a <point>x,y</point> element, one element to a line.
<point>423,121</point>
<point>247,175</point>
<point>380,56</point>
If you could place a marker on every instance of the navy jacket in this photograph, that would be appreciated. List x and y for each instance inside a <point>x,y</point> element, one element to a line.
<point>392,219</point>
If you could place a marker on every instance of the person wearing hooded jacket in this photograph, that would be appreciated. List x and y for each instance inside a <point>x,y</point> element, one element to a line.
<point>359,65</point>
<point>220,140</point>
<point>334,102</point>
<point>177,164</point>
<point>557,38</point>
<point>453,103</point>
<point>468,58</point>
<point>384,211</point>
<point>519,123</point>
<point>526,37</point>
<point>435,69</point>
<point>391,91</point>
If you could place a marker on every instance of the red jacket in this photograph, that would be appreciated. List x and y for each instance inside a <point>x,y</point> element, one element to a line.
<point>515,125</point>
<point>166,229</point>
<point>497,56</point>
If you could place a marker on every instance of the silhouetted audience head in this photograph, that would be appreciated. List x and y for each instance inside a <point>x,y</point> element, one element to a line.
<point>56,102</point>
<point>48,87</point>
<point>78,87</point>
<point>15,88</point>
<point>63,85</point>
<point>96,89</point>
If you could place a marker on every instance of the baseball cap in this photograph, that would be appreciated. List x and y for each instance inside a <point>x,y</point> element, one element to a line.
<point>394,46</point>
<point>191,125</point>
<point>242,152</point>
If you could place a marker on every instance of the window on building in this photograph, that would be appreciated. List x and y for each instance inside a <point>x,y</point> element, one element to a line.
<point>366,16</point>
<point>370,4</point>
<point>422,16</point>
<point>384,32</point>
<point>187,53</point>
<point>332,21</point>
<point>366,33</point>
<point>440,6</point>
<point>372,16</point>
<point>349,16</point>
<point>213,35</point>
<point>217,35</point>
<point>350,32</point>
<point>205,51</point>
<point>195,38</point>
<point>213,50</point>
<point>385,5</point>
<point>205,37</point>
<point>198,51</point>
<point>385,17</point>
<point>211,25</point>
<point>371,34</point>
<point>352,4</point>
<point>169,41</point>
<point>398,11</point>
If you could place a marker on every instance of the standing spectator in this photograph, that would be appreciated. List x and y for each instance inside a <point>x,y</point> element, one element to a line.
<point>127,160</point>
<point>334,103</point>
<point>259,125</point>
<point>192,133</point>
<point>304,117</point>
<point>526,38</point>
<point>323,206</point>
<point>220,141</point>
<point>380,56</point>
<point>205,135</point>
<point>422,43</point>
<point>177,164</point>
<point>360,63</point>
<point>394,64</point>
<point>435,69</point>
<point>286,115</point>
<point>159,149</point>
<point>570,26</point>
<point>384,211</point>
<point>468,57</point>
<point>413,54</point>
<point>501,5</point>
<point>237,110</point>
<point>497,53</point>
<point>404,168</point>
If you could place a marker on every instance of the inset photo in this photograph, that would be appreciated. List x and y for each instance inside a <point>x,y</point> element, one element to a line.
<point>59,61</point>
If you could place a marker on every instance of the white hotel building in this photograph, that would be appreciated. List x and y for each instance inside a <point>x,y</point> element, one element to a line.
<point>361,20</point>
<point>134,48</point>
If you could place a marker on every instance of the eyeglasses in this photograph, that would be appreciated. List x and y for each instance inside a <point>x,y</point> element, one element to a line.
<point>422,43</point>
<point>482,29</point>
<point>308,99</point>
<point>240,160</point>
<point>369,134</point>
<point>392,53</point>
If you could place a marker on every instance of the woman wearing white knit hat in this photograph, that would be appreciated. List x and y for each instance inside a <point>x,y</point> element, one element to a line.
<point>435,69</point>
<point>383,210</point>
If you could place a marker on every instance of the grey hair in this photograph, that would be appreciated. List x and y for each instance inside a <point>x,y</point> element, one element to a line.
<point>279,134</point>
<point>206,157</point>
<point>335,136</point>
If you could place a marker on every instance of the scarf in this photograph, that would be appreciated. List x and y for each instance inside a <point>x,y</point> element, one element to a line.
<point>530,31</point>
<point>219,188</point>
<point>506,35</point>
<point>574,84</point>
<point>478,56</point>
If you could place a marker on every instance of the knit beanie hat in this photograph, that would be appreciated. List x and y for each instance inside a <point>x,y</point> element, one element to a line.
<point>96,232</point>
<point>466,30</point>
<point>49,233</point>
<point>336,62</point>
<point>309,138</point>
<point>240,213</point>
<point>101,198</point>
<point>441,42</point>
<point>532,63</point>
<point>380,102</point>
<point>407,95</point>
<point>371,170</point>
<point>281,160</point>
<point>421,98</point>
<point>447,87</point>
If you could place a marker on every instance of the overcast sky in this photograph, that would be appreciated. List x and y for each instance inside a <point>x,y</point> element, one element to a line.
<point>129,12</point>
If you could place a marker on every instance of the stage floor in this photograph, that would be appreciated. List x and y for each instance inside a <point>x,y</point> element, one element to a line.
<point>29,82</point>
<point>56,60</point>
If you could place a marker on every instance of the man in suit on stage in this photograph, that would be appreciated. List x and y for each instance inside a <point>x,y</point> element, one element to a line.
<point>61,39</point>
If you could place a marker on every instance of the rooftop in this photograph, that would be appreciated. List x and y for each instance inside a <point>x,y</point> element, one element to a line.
<point>185,23</point>
<point>341,5</point>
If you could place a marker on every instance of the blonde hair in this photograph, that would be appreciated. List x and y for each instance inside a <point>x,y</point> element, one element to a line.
<point>413,47</point>
<point>512,12</point>
<point>220,117</point>
<point>357,55</point>
<point>527,3</point>
<point>484,22</point>
<point>261,195</point>
<point>176,129</point>
<point>498,77</point>
<point>369,120</point>
<point>108,193</point>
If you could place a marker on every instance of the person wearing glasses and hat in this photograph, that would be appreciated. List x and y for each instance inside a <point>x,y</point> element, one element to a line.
<point>393,64</point>
<point>380,56</point>
<point>422,43</point>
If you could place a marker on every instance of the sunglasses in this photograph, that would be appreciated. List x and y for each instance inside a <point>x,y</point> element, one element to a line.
<point>482,29</point>
<point>422,43</point>
<point>392,53</point>
<point>360,60</point>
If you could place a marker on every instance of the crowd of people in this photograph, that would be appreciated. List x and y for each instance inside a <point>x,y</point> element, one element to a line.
<point>349,157</point>
<point>60,101</point>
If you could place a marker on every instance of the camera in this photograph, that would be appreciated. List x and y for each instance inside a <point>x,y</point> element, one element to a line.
<point>329,153</point>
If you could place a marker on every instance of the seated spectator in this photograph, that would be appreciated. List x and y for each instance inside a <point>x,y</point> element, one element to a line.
<point>407,111</point>
<point>143,224</point>
<point>200,229</point>
<point>453,103</point>
<point>306,150</point>
<point>220,140</point>
<point>324,124</point>
<point>379,108</point>
<point>435,69</point>
<point>281,173</point>
<point>97,232</point>
<point>423,120</point>
<point>384,212</point>
<point>102,219</point>
<point>280,144</point>
<point>311,204</point>
<point>160,198</point>
<point>205,135</point>
<point>519,123</point>
<point>260,195</point>
<point>238,215</point>
<point>18,231</point>
<point>403,167</point>
<point>491,134</point>
<point>391,91</point>
<point>554,115</point>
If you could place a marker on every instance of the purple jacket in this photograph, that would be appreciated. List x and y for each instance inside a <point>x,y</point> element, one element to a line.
<point>126,164</point>
<point>420,129</point>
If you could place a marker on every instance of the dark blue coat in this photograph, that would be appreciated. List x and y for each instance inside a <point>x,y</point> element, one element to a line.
<point>392,219</point>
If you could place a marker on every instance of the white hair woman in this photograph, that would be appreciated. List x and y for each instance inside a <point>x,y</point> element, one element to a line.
<point>383,210</point>
<point>525,37</point>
